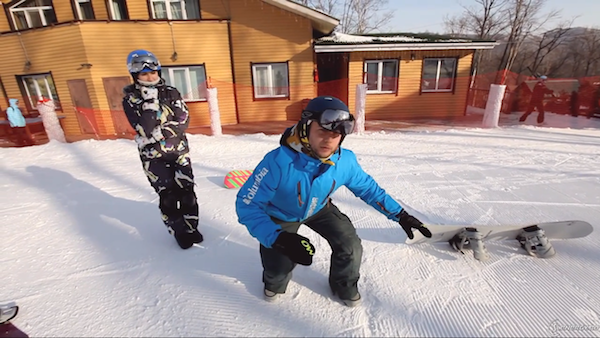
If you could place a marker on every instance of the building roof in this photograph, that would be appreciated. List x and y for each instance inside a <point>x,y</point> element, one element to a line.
<point>321,22</point>
<point>340,42</point>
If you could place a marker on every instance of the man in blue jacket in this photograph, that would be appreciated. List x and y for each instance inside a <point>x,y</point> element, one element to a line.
<point>292,185</point>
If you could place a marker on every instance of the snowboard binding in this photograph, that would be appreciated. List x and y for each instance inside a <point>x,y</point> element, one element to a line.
<point>534,241</point>
<point>473,239</point>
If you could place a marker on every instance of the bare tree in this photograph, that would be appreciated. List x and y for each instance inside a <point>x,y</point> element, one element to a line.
<point>356,16</point>
<point>590,50</point>
<point>485,20</point>
<point>525,18</point>
<point>327,6</point>
<point>547,43</point>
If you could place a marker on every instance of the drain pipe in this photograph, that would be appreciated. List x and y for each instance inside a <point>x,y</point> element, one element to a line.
<point>27,62</point>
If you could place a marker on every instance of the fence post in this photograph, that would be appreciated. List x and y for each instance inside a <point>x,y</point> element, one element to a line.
<point>360,103</point>
<point>213,109</point>
<point>493,106</point>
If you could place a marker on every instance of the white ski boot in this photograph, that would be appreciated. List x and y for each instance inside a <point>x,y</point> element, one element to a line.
<point>534,241</point>
<point>470,237</point>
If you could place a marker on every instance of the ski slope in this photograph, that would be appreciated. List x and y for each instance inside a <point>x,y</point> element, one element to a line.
<point>84,252</point>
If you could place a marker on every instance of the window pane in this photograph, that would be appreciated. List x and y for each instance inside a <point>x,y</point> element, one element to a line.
<point>280,79</point>
<point>21,21</point>
<point>43,88</point>
<point>388,83</point>
<point>33,93</point>
<point>160,10</point>
<point>429,74</point>
<point>180,82</point>
<point>261,86</point>
<point>372,75</point>
<point>447,74</point>
<point>198,80</point>
<point>118,9</point>
<point>53,90</point>
<point>50,16</point>
<point>176,10</point>
<point>35,3</point>
<point>191,9</point>
<point>34,18</point>
<point>87,12</point>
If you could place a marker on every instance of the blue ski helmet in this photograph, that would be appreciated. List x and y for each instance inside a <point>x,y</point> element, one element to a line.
<point>141,60</point>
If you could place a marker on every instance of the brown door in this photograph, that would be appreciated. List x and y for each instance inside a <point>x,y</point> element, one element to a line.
<point>83,106</point>
<point>113,86</point>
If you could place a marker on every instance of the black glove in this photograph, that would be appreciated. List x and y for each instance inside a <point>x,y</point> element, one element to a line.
<point>409,222</point>
<point>296,247</point>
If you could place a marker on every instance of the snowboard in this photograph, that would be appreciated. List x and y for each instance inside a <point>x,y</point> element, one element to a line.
<point>7,329</point>
<point>236,178</point>
<point>453,234</point>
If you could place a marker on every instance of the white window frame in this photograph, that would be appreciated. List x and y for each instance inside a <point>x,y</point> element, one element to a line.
<point>39,9</point>
<point>168,9</point>
<point>270,84</point>
<point>437,76</point>
<point>38,93</point>
<point>78,6</point>
<point>380,63</point>
<point>112,11</point>
<point>187,97</point>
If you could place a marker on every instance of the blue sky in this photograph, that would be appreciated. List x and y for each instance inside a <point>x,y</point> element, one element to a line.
<point>428,15</point>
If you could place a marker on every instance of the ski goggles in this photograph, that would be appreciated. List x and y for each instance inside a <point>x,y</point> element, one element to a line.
<point>144,64</point>
<point>339,121</point>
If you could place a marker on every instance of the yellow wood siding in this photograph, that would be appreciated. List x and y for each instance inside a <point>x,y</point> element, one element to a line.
<point>100,10</point>
<point>409,102</point>
<point>264,33</point>
<point>138,9</point>
<point>4,23</point>
<point>215,9</point>
<point>46,50</point>
<point>196,43</point>
<point>63,10</point>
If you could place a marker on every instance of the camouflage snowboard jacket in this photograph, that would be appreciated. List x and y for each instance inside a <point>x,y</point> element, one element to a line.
<point>166,111</point>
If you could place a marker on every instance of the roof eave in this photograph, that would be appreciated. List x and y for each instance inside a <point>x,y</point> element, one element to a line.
<point>320,21</point>
<point>403,46</point>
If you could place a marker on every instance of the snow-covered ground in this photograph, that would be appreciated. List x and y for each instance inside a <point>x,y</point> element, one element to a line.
<point>84,253</point>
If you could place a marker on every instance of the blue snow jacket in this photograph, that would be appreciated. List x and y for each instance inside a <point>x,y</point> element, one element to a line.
<point>292,186</point>
<point>15,118</point>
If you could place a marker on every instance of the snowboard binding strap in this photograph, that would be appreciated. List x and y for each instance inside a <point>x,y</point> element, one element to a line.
<point>534,241</point>
<point>472,238</point>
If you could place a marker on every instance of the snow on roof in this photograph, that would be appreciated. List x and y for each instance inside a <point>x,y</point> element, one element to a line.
<point>343,38</point>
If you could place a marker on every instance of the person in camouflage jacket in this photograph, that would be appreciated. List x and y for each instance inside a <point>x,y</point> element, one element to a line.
<point>160,118</point>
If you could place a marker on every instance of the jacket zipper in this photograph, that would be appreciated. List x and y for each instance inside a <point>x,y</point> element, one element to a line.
<point>300,202</point>
<point>329,193</point>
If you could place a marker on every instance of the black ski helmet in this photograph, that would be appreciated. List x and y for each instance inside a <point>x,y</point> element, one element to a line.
<point>330,113</point>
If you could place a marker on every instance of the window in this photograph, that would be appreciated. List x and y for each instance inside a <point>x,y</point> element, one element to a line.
<point>117,9</point>
<point>438,75</point>
<point>381,76</point>
<point>36,86</point>
<point>190,81</point>
<point>32,13</point>
<point>270,80</point>
<point>175,9</point>
<point>84,10</point>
